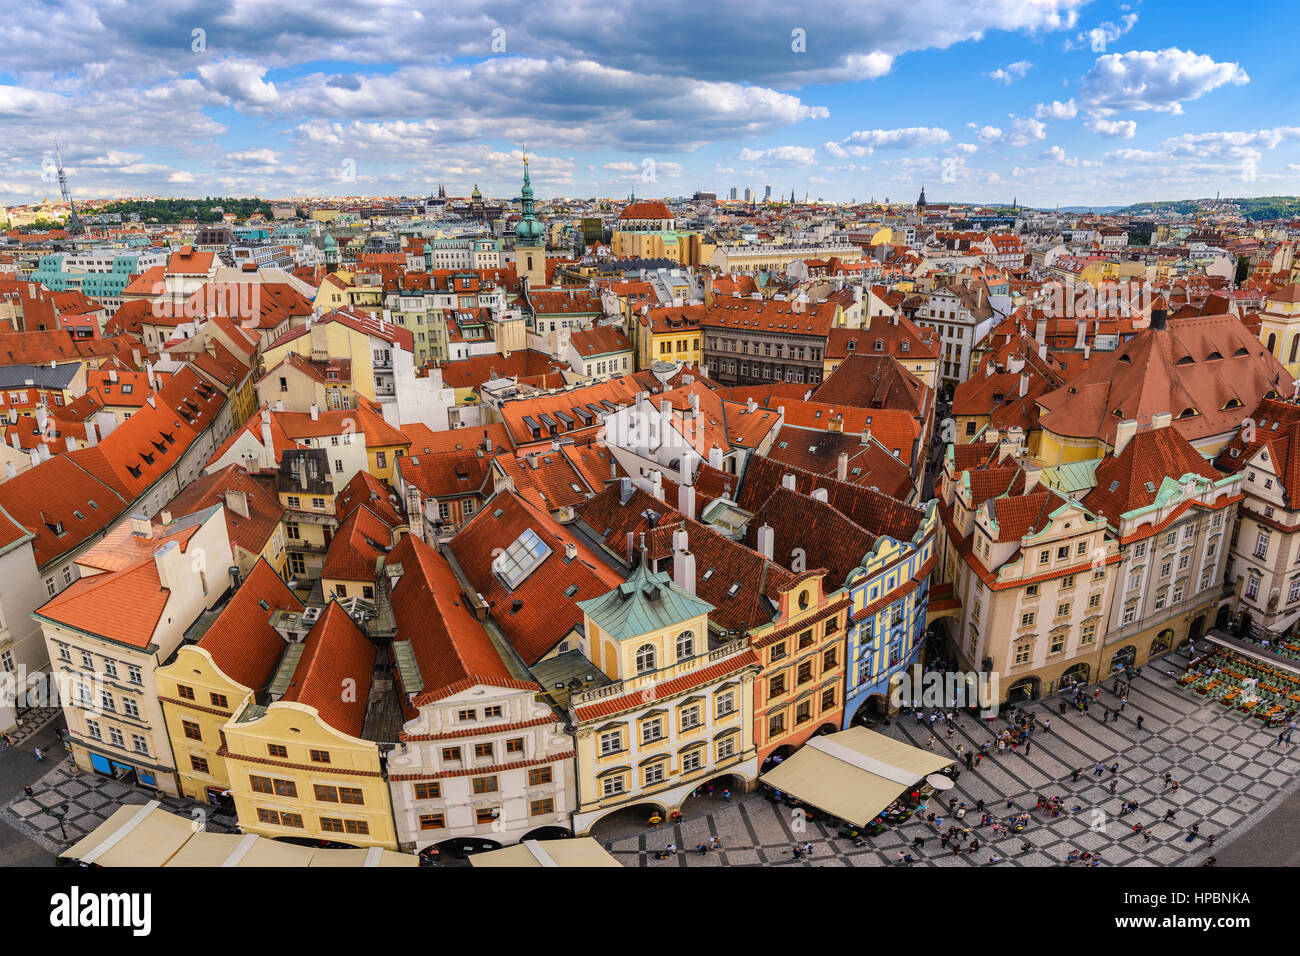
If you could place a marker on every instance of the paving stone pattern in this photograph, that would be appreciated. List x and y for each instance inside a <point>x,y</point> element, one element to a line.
<point>1229,769</point>
<point>91,800</point>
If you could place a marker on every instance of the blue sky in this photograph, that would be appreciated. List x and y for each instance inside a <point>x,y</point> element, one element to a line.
<point>1048,101</point>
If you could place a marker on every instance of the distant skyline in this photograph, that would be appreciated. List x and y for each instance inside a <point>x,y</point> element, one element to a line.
<point>1065,102</point>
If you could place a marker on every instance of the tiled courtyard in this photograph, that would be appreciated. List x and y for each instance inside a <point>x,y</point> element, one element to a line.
<point>91,800</point>
<point>1229,768</point>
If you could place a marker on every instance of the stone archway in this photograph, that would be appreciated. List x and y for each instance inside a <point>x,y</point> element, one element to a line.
<point>1079,673</point>
<point>1027,688</point>
<point>1122,658</point>
<point>1163,641</point>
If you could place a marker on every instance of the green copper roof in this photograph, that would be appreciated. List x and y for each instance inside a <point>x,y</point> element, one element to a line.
<point>645,602</point>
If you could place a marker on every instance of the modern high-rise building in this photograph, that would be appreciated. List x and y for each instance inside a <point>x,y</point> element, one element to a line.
<point>749,194</point>
<point>733,194</point>
<point>767,194</point>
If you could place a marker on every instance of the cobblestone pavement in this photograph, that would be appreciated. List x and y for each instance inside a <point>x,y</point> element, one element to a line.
<point>31,723</point>
<point>1230,770</point>
<point>91,800</point>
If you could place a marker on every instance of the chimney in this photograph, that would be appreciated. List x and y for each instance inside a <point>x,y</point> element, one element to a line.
<point>766,541</point>
<point>695,404</point>
<point>715,457</point>
<point>315,412</point>
<point>624,490</point>
<point>10,469</point>
<point>1124,433</point>
<point>686,500</point>
<point>842,467</point>
<point>1081,336</point>
<point>750,405</point>
<point>819,494</point>
<point>92,434</point>
<point>42,416</point>
<point>866,436</point>
<point>43,451</point>
<point>237,501</point>
<point>787,482</point>
<point>148,370</point>
<point>1042,351</point>
<point>14,440</point>
<point>1040,330</point>
<point>684,570</point>
<point>988,367</point>
<point>570,551</point>
<point>1024,384</point>
<point>141,526</point>
<point>165,516</point>
<point>1161,420</point>
<point>1086,350</point>
<point>657,484</point>
<point>1032,474</point>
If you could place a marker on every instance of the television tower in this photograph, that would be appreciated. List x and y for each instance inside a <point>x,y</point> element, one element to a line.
<point>74,224</point>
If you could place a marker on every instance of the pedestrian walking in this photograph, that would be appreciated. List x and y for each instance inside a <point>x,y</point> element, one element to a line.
<point>1061,708</point>
<point>932,741</point>
<point>27,789</point>
<point>918,842</point>
<point>1010,803</point>
<point>1074,777</point>
<point>1097,694</point>
<point>1139,721</point>
<point>1114,768</point>
<point>1105,716</point>
<point>1122,702</point>
<point>40,754</point>
<point>994,858</point>
<point>970,761</point>
<point>1099,769</point>
<point>978,758</point>
<point>1028,744</point>
<point>714,843</point>
<point>701,849</point>
<point>1047,725</point>
<point>1113,784</point>
<point>1146,837</point>
<point>726,795</point>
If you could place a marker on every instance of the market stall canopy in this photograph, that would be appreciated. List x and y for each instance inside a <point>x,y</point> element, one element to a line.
<point>150,836</point>
<point>853,774</point>
<point>581,851</point>
<point>135,835</point>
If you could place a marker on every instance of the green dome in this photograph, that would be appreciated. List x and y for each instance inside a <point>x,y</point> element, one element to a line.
<point>329,242</point>
<point>527,229</point>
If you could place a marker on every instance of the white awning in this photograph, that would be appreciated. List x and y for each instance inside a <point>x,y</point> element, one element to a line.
<point>853,774</point>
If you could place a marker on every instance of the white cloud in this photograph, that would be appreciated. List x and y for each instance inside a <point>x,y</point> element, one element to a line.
<point>1011,72</point>
<point>1160,80</point>
<point>1113,129</point>
<point>1057,110</point>
<point>864,142</point>
<point>989,134</point>
<point>1056,154</point>
<point>1099,37</point>
<point>785,155</point>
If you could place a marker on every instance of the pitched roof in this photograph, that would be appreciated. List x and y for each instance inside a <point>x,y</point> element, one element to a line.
<point>873,381</point>
<point>547,610</point>
<point>241,641</point>
<point>1132,479</point>
<point>259,496</point>
<point>452,649</point>
<point>647,601</point>
<point>335,652</point>
<point>1207,371</point>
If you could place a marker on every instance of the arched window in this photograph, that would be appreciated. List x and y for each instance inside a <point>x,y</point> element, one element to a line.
<point>1272,341</point>
<point>1295,347</point>
<point>685,645</point>
<point>645,658</point>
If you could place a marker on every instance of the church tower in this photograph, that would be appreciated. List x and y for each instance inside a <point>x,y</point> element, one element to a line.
<point>530,241</point>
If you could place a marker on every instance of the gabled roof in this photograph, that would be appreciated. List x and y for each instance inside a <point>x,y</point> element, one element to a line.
<point>356,548</point>
<point>241,641</point>
<point>452,650</point>
<point>336,654</point>
<point>1277,427</point>
<point>264,509</point>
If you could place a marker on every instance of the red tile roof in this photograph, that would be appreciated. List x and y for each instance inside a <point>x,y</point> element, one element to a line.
<point>241,640</point>
<point>547,613</point>
<point>452,649</point>
<point>336,655</point>
<point>1150,456</point>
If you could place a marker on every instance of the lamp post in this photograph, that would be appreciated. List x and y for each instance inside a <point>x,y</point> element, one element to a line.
<point>59,813</point>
